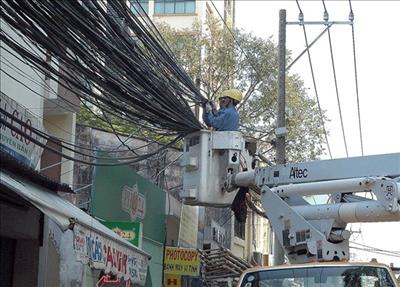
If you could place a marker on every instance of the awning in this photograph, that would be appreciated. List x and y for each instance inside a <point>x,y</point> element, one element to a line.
<point>94,243</point>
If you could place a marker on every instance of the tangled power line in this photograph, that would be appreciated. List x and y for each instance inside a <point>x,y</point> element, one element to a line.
<point>115,61</point>
<point>108,57</point>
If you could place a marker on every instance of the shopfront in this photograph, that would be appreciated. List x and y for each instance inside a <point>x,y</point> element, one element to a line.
<point>47,241</point>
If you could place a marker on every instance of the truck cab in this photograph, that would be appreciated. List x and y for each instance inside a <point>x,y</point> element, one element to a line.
<point>332,274</point>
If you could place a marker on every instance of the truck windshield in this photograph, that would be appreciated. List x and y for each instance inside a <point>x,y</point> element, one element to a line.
<point>326,276</point>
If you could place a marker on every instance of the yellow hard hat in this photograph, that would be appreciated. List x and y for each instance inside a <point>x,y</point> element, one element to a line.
<point>234,94</point>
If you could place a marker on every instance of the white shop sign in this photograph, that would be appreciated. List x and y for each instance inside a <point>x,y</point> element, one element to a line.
<point>16,144</point>
<point>109,255</point>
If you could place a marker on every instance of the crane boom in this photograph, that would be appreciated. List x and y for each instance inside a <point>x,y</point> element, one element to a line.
<point>216,164</point>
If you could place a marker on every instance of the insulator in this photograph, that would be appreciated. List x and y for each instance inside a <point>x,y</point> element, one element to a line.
<point>351,16</point>
<point>301,17</point>
<point>326,16</point>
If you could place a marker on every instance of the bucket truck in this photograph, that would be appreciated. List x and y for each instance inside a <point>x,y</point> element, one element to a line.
<point>216,164</point>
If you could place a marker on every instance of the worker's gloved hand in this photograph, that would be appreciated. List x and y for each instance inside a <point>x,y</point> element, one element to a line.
<point>213,105</point>
<point>208,107</point>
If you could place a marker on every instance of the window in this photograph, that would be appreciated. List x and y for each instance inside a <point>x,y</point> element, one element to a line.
<point>240,229</point>
<point>136,9</point>
<point>313,276</point>
<point>174,6</point>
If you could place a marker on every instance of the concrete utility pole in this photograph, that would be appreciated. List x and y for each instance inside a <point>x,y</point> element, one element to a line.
<point>280,131</point>
<point>281,120</point>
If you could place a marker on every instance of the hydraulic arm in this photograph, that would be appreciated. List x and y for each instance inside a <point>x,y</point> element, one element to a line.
<point>359,189</point>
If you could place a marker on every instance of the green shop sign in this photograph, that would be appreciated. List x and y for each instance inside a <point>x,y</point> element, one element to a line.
<point>119,194</point>
<point>130,231</point>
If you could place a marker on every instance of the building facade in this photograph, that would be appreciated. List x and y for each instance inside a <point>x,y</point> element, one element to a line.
<point>45,240</point>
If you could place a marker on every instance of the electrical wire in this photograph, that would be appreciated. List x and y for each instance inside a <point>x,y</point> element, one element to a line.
<point>44,134</point>
<point>258,74</point>
<point>39,136</point>
<point>113,150</point>
<point>326,18</point>
<point>89,61</point>
<point>314,82</point>
<point>241,49</point>
<point>375,249</point>
<point>351,18</point>
<point>109,58</point>
<point>49,89</point>
<point>43,118</point>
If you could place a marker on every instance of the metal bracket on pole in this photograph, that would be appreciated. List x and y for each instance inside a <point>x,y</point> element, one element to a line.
<point>328,25</point>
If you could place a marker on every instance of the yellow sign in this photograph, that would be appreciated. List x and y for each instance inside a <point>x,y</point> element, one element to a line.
<point>172,280</point>
<point>182,261</point>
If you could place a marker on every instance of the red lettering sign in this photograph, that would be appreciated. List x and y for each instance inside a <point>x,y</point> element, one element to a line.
<point>185,255</point>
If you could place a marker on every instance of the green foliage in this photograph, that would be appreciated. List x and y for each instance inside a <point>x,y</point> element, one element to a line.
<point>90,116</point>
<point>209,53</point>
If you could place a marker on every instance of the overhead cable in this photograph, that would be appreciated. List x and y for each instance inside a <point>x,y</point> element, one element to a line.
<point>241,49</point>
<point>137,77</point>
<point>397,252</point>
<point>351,18</point>
<point>109,58</point>
<point>301,18</point>
<point>39,138</point>
<point>326,18</point>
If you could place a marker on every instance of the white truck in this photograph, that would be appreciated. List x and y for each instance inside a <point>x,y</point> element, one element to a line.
<point>216,164</point>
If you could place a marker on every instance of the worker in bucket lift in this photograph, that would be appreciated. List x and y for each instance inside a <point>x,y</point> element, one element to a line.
<point>227,117</point>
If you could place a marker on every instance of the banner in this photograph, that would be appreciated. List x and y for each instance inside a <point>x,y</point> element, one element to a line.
<point>181,261</point>
<point>130,231</point>
<point>106,254</point>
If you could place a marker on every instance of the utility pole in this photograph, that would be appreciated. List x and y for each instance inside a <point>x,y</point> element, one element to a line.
<point>280,130</point>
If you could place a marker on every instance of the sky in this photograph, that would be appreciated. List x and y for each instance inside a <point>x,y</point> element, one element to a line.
<point>377,45</point>
<point>377,42</point>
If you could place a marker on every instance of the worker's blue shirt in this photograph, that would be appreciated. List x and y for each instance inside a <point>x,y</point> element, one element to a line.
<point>226,119</point>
